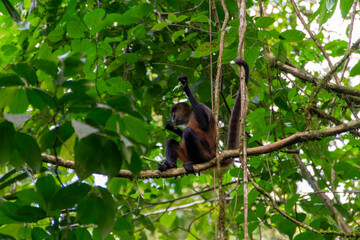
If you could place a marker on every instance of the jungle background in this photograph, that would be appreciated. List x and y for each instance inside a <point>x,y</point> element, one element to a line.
<point>86,87</point>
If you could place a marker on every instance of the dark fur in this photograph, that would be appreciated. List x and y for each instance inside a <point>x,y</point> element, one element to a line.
<point>198,143</point>
<point>234,122</point>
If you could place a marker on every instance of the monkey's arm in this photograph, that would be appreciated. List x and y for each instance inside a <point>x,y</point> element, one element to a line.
<point>198,108</point>
<point>169,126</point>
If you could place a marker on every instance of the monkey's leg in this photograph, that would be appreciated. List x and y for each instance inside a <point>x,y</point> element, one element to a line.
<point>172,152</point>
<point>197,149</point>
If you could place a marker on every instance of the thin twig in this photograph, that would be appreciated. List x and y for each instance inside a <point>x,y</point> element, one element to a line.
<point>351,27</point>
<point>313,37</point>
<point>300,224</point>
<point>187,10</point>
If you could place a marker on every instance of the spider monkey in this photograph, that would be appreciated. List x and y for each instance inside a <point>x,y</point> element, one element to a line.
<point>198,143</point>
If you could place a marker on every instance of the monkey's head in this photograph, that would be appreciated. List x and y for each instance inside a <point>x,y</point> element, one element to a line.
<point>180,113</point>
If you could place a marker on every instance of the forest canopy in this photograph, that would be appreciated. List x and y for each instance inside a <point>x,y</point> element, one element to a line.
<point>86,88</point>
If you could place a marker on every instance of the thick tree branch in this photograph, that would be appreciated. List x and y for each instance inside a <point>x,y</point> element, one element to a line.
<point>324,115</point>
<point>293,139</point>
<point>352,94</point>
<point>323,82</point>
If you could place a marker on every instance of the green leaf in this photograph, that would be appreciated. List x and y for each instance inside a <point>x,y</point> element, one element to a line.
<point>30,214</point>
<point>94,18</point>
<point>9,49</point>
<point>123,224</point>
<point>291,203</point>
<point>337,47</point>
<point>177,34</point>
<point>135,163</point>
<point>355,70</point>
<point>22,213</point>
<point>199,18</point>
<point>29,150</point>
<point>63,132</point>
<point>70,195</point>
<point>83,214</point>
<point>136,129</point>
<point>181,18</point>
<point>105,211</point>
<point>330,4</point>
<point>112,158</point>
<point>39,99</point>
<point>46,66</point>
<point>159,26</point>
<point>56,35</point>
<point>20,102</point>
<point>7,95</point>
<point>11,80</point>
<point>73,65</point>
<point>172,17</point>
<point>82,233</point>
<point>292,35</point>
<point>4,219</point>
<point>229,55</point>
<point>175,19</point>
<point>39,234</point>
<point>75,27</point>
<point>345,6</point>
<point>137,33</point>
<point>88,156</point>
<point>324,11</point>
<point>264,22</point>
<point>7,141</point>
<point>204,49</point>
<point>308,235</point>
<point>141,11</point>
<point>26,72</point>
<point>184,54</point>
<point>281,101</point>
<point>104,49</point>
<point>118,85</point>
<point>99,115</point>
<point>125,19</point>
<point>122,104</point>
<point>253,195</point>
<point>190,36</point>
<point>287,227</point>
<point>260,210</point>
<point>46,187</point>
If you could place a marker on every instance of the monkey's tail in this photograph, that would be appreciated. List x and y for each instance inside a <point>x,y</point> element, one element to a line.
<point>234,123</point>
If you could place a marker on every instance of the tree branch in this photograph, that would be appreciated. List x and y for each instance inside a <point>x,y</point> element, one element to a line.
<point>352,94</point>
<point>335,214</point>
<point>293,139</point>
<point>221,218</point>
<point>300,224</point>
<point>316,41</point>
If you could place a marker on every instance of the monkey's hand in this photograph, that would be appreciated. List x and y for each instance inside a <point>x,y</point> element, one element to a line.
<point>189,167</point>
<point>169,125</point>
<point>165,165</point>
<point>183,79</point>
